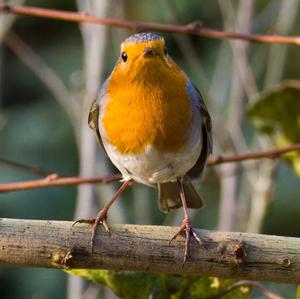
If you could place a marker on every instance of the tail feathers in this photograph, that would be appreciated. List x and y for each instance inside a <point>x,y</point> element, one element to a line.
<point>169,196</point>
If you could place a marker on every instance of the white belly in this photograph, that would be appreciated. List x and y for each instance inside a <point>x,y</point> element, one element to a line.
<point>152,167</point>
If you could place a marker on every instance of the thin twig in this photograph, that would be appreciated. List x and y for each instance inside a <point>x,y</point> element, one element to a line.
<point>6,22</point>
<point>192,28</point>
<point>245,283</point>
<point>273,153</point>
<point>40,68</point>
<point>25,167</point>
<point>54,180</point>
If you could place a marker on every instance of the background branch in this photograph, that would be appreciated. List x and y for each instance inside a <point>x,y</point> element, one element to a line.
<point>56,244</point>
<point>35,63</point>
<point>25,167</point>
<point>273,153</point>
<point>53,180</point>
<point>94,43</point>
<point>233,120</point>
<point>192,28</point>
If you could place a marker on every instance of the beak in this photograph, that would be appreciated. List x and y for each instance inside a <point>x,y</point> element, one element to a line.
<point>148,52</point>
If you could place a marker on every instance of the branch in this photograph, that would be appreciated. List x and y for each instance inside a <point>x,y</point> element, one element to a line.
<point>28,168</point>
<point>38,66</point>
<point>53,180</point>
<point>273,153</point>
<point>56,244</point>
<point>192,28</point>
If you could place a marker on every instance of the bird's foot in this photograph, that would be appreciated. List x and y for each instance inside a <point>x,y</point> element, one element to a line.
<point>187,227</point>
<point>99,220</point>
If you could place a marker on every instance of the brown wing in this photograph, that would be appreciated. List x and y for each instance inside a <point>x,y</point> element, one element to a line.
<point>93,120</point>
<point>207,143</point>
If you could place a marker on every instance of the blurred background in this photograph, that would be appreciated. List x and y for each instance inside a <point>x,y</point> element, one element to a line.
<point>49,74</point>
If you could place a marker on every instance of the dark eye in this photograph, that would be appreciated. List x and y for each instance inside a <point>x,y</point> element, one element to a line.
<point>165,50</point>
<point>124,56</point>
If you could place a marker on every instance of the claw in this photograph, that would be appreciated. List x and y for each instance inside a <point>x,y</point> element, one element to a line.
<point>186,225</point>
<point>102,215</point>
<point>106,226</point>
<point>89,221</point>
<point>189,231</point>
<point>176,235</point>
<point>100,219</point>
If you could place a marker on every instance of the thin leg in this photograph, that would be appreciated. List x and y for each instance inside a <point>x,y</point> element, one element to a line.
<point>102,214</point>
<point>186,225</point>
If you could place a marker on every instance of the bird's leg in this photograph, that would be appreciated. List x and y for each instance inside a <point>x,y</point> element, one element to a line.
<point>186,225</point>
<point>102,214</point>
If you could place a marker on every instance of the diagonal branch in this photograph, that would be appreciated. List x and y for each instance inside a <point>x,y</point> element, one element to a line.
<point>54,180</point>
<point>192,28</point>
<point>37,65</point>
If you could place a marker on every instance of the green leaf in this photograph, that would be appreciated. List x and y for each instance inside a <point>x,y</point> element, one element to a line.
<point>298,292</point>
<point>277,114</point>
<point>140,285</point>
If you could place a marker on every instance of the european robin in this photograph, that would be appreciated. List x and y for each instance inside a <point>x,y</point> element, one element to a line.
<point>154,126</point>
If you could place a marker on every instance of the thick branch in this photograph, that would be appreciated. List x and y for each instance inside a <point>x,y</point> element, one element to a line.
<point>56,244</point>
<point>193,28</point>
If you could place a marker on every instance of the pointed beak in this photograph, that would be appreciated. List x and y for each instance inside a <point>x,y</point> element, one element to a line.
<point>148,52</point>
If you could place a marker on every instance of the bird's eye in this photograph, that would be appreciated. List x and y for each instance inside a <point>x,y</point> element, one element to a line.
<point>124,57</point>
<point>165,50</point>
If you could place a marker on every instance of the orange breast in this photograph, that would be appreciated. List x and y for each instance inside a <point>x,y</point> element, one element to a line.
<point>154,110</point>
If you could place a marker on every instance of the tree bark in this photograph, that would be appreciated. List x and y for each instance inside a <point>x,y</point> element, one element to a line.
<point>56,244</point>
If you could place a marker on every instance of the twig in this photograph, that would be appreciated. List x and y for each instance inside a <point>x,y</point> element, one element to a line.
<point>6,22</point>
<point>37,65</point>
<point>25,167</point>
<point>55,180</point>
<point>240,73</point>
<point>58,244</point>
<point>276,59</point>
<point>192,28</point>
<point>273,153</point>
<point>242,283</point>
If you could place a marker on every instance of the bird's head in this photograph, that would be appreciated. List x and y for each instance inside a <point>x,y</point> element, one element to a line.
<point>143,56</point>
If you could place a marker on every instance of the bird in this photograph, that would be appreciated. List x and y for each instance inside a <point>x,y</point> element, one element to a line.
<point>154,126</point>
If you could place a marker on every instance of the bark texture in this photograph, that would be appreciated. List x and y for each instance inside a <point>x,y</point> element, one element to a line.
<point>56,244</point>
